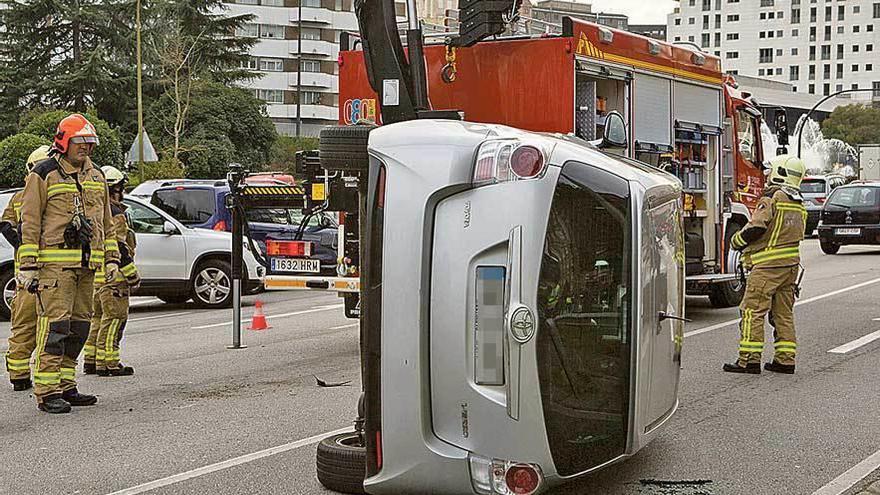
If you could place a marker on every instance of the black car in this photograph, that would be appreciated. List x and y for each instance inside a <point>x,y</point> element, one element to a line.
<point>851,215</point>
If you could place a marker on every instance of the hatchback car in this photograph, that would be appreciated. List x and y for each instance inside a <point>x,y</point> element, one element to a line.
<point>850,216</point>
<point>815,190</point>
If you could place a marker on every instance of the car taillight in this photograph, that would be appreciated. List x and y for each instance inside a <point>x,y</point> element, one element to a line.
<point>500,477</point>
<point>505,160</point>
<point>819,200</point>
<point>288,248</point>
<point>220,226</point>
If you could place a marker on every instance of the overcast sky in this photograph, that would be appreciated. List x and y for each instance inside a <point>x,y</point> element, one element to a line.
<point>639,11</point>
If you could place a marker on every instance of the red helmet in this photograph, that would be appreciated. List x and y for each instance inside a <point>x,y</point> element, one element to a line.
<point>75,127</point>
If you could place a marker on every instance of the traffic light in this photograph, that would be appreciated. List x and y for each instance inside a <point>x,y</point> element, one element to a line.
<point>480,19</point>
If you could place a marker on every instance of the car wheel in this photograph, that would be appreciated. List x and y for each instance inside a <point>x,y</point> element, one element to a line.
<point>829,247</point>
<point>175,299</point>
<point>342,463</point>
<point>344,148</point>
<point>7,282</point>
<point>212,284</point>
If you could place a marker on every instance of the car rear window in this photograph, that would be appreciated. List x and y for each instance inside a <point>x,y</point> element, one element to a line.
<point>813,186</point>
<point>855,196</point>
<point>274,215</point>
<point>189,206</point>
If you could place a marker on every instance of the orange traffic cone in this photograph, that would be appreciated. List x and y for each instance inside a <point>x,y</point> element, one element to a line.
<point>258,322</point>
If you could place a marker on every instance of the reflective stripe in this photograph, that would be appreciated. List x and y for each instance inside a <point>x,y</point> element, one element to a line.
<point>775,254</point>
<point>95,186</point>
<point>777,228</point>
<point>68,374</point>
<point>47,378</point>
<point>129,270</point>
<point>28,250</point>
<point>784,346</point>
<point>59,255</point>
<point>111,245</point>
<point>60,189</point>
<point>737,240</point>
<point>17,364</point>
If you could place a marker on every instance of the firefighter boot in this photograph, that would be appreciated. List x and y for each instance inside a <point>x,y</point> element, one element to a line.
<point>775,367</point>
<point>77,399</point>
<point>89,368</point>
<point>21,384</point>
<point>750,368</point>
<point>54,404</point>
<point>121,370</point>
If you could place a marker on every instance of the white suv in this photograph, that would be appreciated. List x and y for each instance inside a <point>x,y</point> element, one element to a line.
<point>176,263</point>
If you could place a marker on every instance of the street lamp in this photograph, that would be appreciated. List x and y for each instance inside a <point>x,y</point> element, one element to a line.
<point>800,129</point>
<point>140,99</point>
<point>299,62</point>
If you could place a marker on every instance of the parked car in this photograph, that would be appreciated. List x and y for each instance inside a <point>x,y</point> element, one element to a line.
<point>815,190</point>
<point>201,205</point>
<point>176,263</point>
<point>145,189</point>
<point>851,216</point>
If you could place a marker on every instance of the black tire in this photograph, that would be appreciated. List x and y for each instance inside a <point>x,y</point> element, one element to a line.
<point>342,463</point>
<point>7,283</point>
<point>344,148</point>
<point>175,299</point>
<point>220,273</point>
<point>829,247</point>
<point>728,294</point>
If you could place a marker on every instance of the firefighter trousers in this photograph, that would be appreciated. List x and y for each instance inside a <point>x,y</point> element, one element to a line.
<point>768,290</point>
<point>108,324</point>
<point>23,340</point>
<point>64,305</point>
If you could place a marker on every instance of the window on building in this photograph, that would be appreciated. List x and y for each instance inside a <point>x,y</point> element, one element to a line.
<point>310,66</point>
<point>876,87</point>
<point>270,95</point>
<point>812,89</point>
<point>794,52</point>
<point>762,35</point>
<point>271,31</point>
<point>828,13</point>
<point>827,33</point>
<point>857,9</point>
<point>812,33</point>
<point>271,64</point>
<point>839,72</point>
<point>854,86</point>
<point>812,73</point>
<point>765,56</point>
<point>760,72</point>
<point>762,16</point>
<point>272,3</point>
<point>717,40</point>
<point>869,28</point>
<point>717,53</point>
<point>855,48</point>
<point>691,21</point>
<point>869,67</point>
<point>877,10</point>
<point>250,64</point>
<point>839,88</point>
<point>795,16</point>
<point>869,48</point>
<point>691,38</point>
<point>311,98</point>
<point>826,71</point>
<point>677,23</point>
<point>812,53</point>
<point>733,18</point>
<point>767,3</point>
<point>312,3</point>
<point>856,28</point>
<point>311,34</point>
<point>812,14</point>
<point>855,68</point>
<point>826,52</point>
<point>840,29</point>
<point>248,31</point>
<point>691,3</point>
<point>771,15</point>
<point>839,52</point>
<point>780,14</point>
<point>794,72</point>
<point>841,12</point>
<point>732,36</point>
<point>678,38</point>
<point>732,55</point>
<point>779,71</point>
<point>717,21</point>
<point>705,22</point>
<point>826,89</point>
<point>248,2</point>
<point>779,33</point>
<point>704,40</point>
<point>779,52</point>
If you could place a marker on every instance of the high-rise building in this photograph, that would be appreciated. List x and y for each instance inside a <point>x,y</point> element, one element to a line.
<point>552,11</point>
<point>818,46</point>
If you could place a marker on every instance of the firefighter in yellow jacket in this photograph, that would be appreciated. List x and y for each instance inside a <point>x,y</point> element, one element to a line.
<point>65,213</point>
<point>24,305</point>
<point>111,296</point>
<point>770,249</point>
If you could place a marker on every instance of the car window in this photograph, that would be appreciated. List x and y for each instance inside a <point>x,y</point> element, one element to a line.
<point>314,221</point>
<point>144,220</point>
<point>274,215</point>
<point>813,186</point>
<point>189,206</point>
<point>855,197</point>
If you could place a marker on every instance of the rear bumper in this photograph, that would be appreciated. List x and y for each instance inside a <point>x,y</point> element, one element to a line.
<point>870,234</point>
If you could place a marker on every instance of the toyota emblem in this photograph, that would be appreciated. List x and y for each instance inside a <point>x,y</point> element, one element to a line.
<point>522,325</point>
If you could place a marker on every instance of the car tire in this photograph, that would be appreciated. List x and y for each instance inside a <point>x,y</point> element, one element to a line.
<point>175,299</point>
<point>342,463</point>
<point>344,148</point>
<point>211,284</point>
<point>7,284</point>
<point>829,247</point>
<point>728,294</point>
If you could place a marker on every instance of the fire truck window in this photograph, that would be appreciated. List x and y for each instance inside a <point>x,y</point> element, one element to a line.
<point>584,312</point>
<point>747,136</point>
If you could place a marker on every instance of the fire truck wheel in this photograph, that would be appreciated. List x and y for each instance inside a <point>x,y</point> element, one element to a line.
<point>728,294</point>
<point>342,463</point>
<point>344,148</point>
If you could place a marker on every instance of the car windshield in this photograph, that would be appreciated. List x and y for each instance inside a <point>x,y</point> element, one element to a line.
<point>815,186</point>
<point>189,206</point>
<point>275,215</point>
<point>314,221</point>
<point>855,196</point>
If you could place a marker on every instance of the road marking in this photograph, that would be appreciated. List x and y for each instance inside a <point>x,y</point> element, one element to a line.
<point>846,480</point>
<point>143,302</point>
<point>213,468</point>
<point>855,344</point>
<point>169,315</point>
<point>340,327</point>
<point>803,301</point>
<point>282,315</point>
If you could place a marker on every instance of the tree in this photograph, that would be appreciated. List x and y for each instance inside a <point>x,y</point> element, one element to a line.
<point>222,125</point>
<point>14,152</point>
<point>108,152</point>
<point>283,155</point>
<point>853,124</point>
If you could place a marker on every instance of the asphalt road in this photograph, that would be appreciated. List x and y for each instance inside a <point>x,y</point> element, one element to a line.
<point>193,403</point>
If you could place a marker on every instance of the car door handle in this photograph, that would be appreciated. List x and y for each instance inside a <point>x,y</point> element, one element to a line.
<point>663,315</point>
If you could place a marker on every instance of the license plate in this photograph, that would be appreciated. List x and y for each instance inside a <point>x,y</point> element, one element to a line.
<point>849,231</point>
<point>295,265</point>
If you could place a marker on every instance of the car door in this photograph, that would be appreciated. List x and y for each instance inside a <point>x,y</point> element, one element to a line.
<point>159,255</point>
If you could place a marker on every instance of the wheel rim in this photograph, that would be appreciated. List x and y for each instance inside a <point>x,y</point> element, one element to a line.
<point>9,293</point>
<point>212,286</point>
<point>350,440</point>
<point>733,260</point>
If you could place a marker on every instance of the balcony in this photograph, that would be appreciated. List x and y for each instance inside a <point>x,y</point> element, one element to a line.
<point>316,47</point>
<point>308,112</point>
<point>317,80</point>
<point>312,14</point>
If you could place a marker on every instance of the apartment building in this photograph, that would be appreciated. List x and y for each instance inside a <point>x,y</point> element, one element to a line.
<point>552,11</point>
<point>817,46</point>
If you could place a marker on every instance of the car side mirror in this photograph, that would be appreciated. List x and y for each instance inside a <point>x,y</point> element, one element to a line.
<point>615,135</point>
<point>169,228</point>
<point>781,125</point>
<point>745,149</point>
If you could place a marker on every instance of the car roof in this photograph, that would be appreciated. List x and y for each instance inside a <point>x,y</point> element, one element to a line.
<point>869,183</point>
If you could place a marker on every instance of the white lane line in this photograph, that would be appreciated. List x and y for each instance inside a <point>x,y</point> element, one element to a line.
<point>212,468</point>
<point>169,315</point>
<point>340,327</point>
<point>282,315</point>
<point>846,480</point>
<point>855,344</point>
<point>143,302</point>
<point>802,301</point>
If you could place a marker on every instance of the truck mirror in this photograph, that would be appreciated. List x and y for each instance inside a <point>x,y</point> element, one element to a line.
<point>615,131</point>
<point>781,127</point>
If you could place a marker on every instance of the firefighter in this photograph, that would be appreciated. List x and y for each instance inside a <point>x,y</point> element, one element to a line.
<point>770,246</point>
<point>111,296</point>
<point>24,305</point>
<point>64,214</point>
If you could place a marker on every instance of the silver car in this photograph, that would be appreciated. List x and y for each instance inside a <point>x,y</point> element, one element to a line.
<point>524,326</point>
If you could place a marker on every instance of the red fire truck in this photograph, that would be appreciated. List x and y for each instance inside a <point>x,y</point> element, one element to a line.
<point>683,116</point>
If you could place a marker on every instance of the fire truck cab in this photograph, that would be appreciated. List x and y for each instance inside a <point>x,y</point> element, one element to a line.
<point>683,116</point>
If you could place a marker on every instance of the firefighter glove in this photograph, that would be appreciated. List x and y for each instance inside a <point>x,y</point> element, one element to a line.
<point>26,277</point>
<point>111,271</point>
